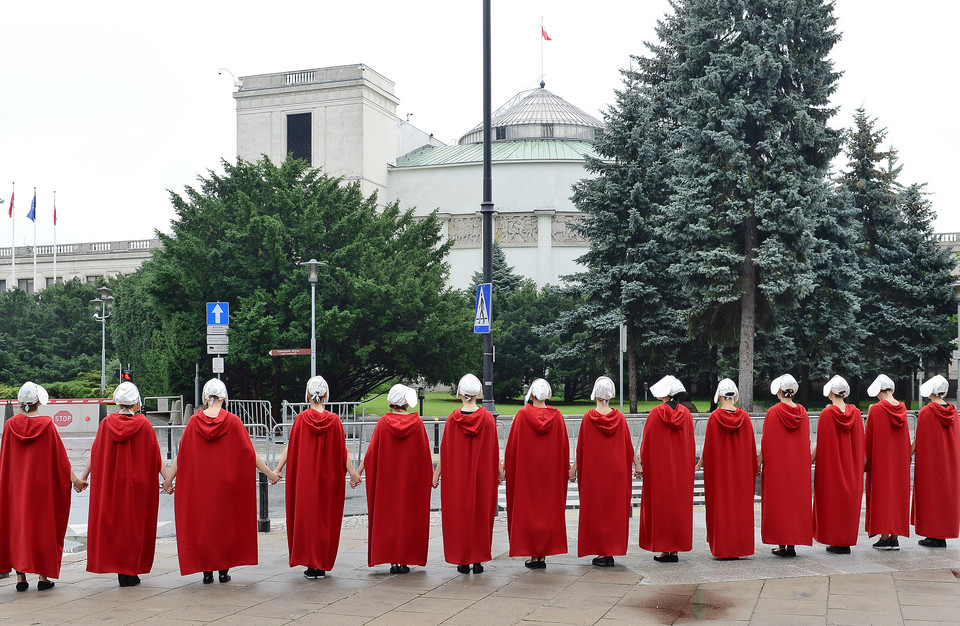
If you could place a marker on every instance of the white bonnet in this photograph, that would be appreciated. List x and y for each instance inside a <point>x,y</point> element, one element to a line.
<point>938,385</point>
<point>539,389</point>
<point>469,386</point>
<point>32,393</point>
<point>668,386</point>
<point>401,395</point>
<point>214,388</point>
<point>126,394</point>
<point>603,388</point>
<point>726,387</point>
<point>317,388</point>
<point>879,384</point>
<point>838,385</point>
<point>784,383</point>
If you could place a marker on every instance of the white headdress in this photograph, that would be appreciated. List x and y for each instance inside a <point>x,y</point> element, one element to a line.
<point>126,394</point>
<point>784,383</point>
<point>401,395</point>
<point>317,388</point>
<point>32,393</point>
<point>881,383</point>
<point>539,389</point>
<point>469,386</point>
<point>603,388</point>
<point>214,388</point>
<point>668,386</point>
<point>938,385</point>
<point>838,385</point>
<point>728,389</point>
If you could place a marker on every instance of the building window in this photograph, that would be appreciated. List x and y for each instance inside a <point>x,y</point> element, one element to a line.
<point>3,285</point>
<point>93,280</point>
<point>51,281</point>
<point>299,136</point>
<point>501,132</point>
<point>547,130</point>
<point>25,284</point>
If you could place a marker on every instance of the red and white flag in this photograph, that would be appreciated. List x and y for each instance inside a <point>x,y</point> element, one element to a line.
<point>11,204</point>
<point>54,209</point>
<point>544,33</point>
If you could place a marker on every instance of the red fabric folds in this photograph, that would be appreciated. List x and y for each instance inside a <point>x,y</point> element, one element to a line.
<point>469,474</point>
<point>605,481</point>
<point>668,456</point>
<point>936,473</point>
<point>215,501</point>
<point>34,496</point>
<point>124,496</point>
<point>315,488</point>
<point>399,477</point>
<point>838,477</point>
<point>729,481</point>
<point>786,494</point>
<point>888,470</point>
<point>537,465</point>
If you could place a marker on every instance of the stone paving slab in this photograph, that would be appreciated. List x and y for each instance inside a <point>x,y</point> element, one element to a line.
<point>914,585</point>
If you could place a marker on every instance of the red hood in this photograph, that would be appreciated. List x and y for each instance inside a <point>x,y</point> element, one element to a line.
<point>121,427</point>
<point>790,416</point>
<point>731,420</point>
<point>211,428</point>
<point>469,422</point>
<point>845,419</point>
<point>897,414</point>
<point>946,413</point>
<point>606,424</point>
<point>673,416</point>
<point>401,426</point>
<point>24,428</point>
<point>317,422</point>
<point>542,419</point>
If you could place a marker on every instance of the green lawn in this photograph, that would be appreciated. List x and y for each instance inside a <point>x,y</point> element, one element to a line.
<point>442,404</point>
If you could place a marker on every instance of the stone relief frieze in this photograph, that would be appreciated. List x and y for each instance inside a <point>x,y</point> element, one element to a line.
<point>465,231</point>
<point>516,230</point>
<point>563,235</point>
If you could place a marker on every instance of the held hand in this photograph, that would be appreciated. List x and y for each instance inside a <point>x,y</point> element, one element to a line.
<point>503,474</point>
<point>573,474</point>
<point>167,486</point>
<point>436,482</point>
<point>79,485</point>
<point>355,480</point>
<point>272,477</point>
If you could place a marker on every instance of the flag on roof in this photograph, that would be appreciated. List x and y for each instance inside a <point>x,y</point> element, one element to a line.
<point>544,33</point>
<point>11,204</point>
<point>32,215</point>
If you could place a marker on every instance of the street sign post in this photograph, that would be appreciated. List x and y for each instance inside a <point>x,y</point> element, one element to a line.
<point>218,313</point>
<point>218,349</point>
<point>289,352</point>
<point>217,365</point>
<point>218,321</point>
<point>483,309</point>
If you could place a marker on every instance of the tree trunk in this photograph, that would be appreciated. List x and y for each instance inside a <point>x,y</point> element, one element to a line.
<point>748,314</point>
<point>632,376</point>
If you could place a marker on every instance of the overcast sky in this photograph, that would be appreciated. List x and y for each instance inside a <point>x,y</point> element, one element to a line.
<point>113,103</point>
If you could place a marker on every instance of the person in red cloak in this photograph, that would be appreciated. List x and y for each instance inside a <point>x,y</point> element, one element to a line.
<point>470,457</point>
<point>215,504</point>
<point>888,467</point>
<point>124,498</point>
<point>936,469</point>
<point>316,459</point>
<point>786,508</point>
<point>729,462</point>
<point>537,467</point>
<point>668,455</point>
<point>838,478</point>
<point>399,474</point>
<point>35,477</point>
<point>604,475</point>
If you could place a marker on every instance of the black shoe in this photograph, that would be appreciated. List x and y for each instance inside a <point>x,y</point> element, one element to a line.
<point>122,579</point>
<point>478,568</point>
<point>43,585</point>
<point>403,569</point>
<point>394,569</point>
<point>838,549</point>
<point>207,578</point>
<point>603,561</point>
<point>312,572</point>
<point>224,575</point>
<point>930,542</point>
<point>463,569</point>
<point>786,551</point>
<point>23,586</point>
<point>133,581</point>
<point>887,544</point>
<point>666,558</point>
<point>535,564</point>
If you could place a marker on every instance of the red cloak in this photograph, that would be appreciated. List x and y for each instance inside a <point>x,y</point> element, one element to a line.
<point>668,456</point>
<point>838,477</point>
<point>215,501</point>
<point>936,473</point>
<point>537,465</point>
<point>124,496</point>
<point>729,482</point>
<point>469,474</point>
<point>315,488</point>
<point>888,470</point>
<point>399,477</point>
<point>34,496</point>
<point>605,483</point>
<point>786,507</point>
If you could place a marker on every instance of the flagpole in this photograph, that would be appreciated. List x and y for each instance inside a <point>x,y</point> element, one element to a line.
<point>34,240</point>
<point>541,48</point>
<point>13,236</point>
<point>54,236</point>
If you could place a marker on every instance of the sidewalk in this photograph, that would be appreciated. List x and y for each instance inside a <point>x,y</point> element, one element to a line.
<point>867,587</point>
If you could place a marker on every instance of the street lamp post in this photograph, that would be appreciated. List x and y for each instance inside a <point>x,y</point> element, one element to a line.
<point>956,297</point>
<point>102,307</point>
<point>313,266</point>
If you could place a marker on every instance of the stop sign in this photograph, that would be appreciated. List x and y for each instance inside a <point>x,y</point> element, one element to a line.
<point>63,418</point>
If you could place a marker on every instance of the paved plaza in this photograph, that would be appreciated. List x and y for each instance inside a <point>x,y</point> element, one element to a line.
<point>868,587</point>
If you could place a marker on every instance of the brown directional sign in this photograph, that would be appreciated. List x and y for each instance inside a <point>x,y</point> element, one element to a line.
<point>290,352</point>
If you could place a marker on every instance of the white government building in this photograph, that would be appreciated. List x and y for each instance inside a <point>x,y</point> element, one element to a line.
<point>344,120</point>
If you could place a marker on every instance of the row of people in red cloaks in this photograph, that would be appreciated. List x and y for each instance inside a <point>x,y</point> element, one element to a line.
<point>844,452</point>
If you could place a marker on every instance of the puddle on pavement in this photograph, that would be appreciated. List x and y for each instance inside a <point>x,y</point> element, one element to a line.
<point>668,608</point>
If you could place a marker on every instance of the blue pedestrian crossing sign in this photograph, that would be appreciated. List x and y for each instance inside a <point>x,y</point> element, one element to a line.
<point>218,313</point>
<point>483,310</point>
